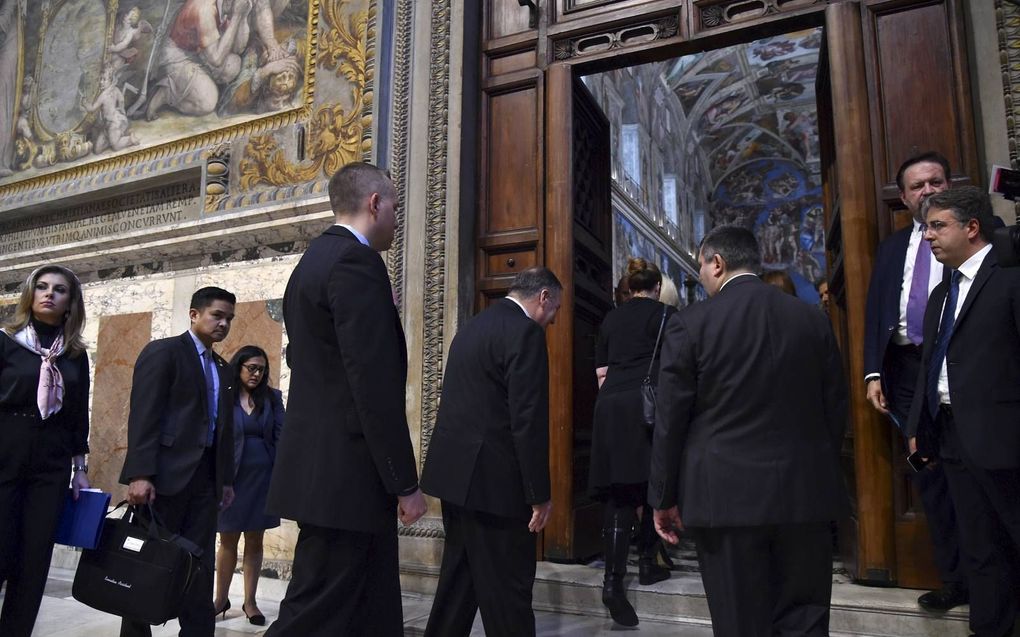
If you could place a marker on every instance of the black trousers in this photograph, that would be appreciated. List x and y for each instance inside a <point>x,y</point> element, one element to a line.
<point>488,565</point>
<point>988,508</point>
<point>345,584</point>
<point>192,513</point>
<point>35,469</point>
<point>763,581</point>
<point>902,364</point>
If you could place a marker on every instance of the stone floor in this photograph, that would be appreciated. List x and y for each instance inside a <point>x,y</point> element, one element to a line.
<point>62,616</point>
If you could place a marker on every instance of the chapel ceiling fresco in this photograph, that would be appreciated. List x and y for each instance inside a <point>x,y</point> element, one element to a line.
<point>748,118</point>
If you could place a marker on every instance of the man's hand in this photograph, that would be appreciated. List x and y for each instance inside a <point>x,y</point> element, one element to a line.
<point>876,397</point>
<point>667,523</point>
<point>411,507</point>
<point>539,516</point>
<point>141,491</point>
<point>79,481</point>
<point>912,444</point>
<point>228,497</point>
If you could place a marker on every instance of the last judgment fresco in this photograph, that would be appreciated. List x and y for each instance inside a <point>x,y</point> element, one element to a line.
<point>86,79</point>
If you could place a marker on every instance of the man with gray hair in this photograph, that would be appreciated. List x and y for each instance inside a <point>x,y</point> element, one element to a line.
<point>751,411</point>
<point>488,461</point>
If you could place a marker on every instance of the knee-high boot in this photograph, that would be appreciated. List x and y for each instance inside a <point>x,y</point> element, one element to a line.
<point>649,571</point>
<point>616,535</point>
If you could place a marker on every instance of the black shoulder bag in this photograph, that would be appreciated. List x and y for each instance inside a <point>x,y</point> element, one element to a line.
<point>140,570</point>
<point>647,386</point>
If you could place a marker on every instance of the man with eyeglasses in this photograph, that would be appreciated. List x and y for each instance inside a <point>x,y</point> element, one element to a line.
<point>967,411</point>
<point>904,275</point>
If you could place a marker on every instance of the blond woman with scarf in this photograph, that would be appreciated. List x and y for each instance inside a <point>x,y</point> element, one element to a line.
<point>44,429</point>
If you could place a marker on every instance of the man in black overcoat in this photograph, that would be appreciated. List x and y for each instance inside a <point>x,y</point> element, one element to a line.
<point>904,275</point>
<point>751,411</point>
<point>345,468</point>
<point>180,455</point>
<point>967,414</point>
<point>488,461</point>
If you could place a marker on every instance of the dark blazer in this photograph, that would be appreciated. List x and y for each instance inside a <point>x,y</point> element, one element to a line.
<point>983,361</point>
<point>882,314</point>
<point>270,419</point>
<point>345,452</point>
<point>490,448</point>
<point>752,405</point>
<point>168,422</point>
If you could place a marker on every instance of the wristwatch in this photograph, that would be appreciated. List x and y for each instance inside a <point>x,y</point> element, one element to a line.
<point>84,468</point>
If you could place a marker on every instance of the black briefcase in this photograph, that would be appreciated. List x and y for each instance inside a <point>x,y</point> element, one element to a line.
<point>140,571</point>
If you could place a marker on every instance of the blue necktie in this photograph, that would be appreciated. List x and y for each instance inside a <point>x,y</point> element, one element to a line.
<point>210,388</point>
<point>942,343</point>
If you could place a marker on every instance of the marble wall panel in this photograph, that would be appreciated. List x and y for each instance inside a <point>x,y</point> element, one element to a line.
<point>254,324</point>
<point>119,341</point>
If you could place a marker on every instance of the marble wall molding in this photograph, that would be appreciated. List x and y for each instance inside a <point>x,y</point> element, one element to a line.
<point>267,225</point>
<point>435,220</point>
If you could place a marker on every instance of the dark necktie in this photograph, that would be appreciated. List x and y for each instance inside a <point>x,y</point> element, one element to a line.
<point>210,387</point>
<point>942,343</point>
<point>918,296</point>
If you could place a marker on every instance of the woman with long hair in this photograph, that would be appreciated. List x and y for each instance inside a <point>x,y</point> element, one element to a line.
<point>44,432</point>
<point>258,420</point>
<point>621,442</point>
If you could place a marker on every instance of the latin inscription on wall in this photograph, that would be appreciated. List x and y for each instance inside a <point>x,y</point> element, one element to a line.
<point>98,220</point>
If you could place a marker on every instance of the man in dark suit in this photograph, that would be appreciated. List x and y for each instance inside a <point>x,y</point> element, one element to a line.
<point>180,455</point>
<point>750,419</point>
<point>904,275</point>
<point>968,408</point>
<point>488,462</point>
<point>345,468</point>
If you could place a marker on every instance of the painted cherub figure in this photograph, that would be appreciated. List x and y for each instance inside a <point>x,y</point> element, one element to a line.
<point>123,50</point>
<point>113,126</point>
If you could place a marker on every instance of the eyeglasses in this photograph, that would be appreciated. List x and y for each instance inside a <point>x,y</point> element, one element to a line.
<point>254,370</point>
<point>938,226</point>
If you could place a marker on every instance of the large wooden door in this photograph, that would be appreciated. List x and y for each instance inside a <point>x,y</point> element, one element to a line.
<point>580,242</point>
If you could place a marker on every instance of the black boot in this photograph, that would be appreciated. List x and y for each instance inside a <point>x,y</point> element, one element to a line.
<point>649,571</point>
<point>616,536</point>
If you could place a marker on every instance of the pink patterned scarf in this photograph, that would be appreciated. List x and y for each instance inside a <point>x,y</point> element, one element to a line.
<point>50,394</point>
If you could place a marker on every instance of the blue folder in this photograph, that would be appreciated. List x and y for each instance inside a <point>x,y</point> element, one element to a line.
<point>81,521</point>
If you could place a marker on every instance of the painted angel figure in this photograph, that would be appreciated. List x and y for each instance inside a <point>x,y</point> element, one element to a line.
<point>123,50</point>
<point>113,126</point>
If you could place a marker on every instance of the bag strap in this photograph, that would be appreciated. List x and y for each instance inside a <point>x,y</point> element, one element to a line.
<point>655,350</point>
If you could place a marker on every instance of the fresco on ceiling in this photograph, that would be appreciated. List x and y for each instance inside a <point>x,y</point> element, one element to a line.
<point>86,79</point>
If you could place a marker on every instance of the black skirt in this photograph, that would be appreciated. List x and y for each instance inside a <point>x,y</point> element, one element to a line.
<point>621,444</point>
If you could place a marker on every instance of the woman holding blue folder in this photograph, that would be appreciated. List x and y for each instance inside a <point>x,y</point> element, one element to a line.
<point>44,431</point>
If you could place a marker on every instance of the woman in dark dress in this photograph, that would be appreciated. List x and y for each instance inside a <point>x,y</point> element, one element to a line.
<point>621,443</point>
<point>44,431</point>
<point>258,419</point>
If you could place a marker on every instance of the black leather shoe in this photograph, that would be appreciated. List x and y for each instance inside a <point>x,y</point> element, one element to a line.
<point>951,595</point>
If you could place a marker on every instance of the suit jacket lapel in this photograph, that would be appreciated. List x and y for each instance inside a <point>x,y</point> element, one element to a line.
<point>984,272</point>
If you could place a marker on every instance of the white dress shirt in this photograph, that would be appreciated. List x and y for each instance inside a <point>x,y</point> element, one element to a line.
<point>357,235</point>
<point>968,271</point>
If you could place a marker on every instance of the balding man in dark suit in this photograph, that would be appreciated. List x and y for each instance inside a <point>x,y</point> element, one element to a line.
<point>750,419</point>
<point>488,462</point>
<point>345,468</point>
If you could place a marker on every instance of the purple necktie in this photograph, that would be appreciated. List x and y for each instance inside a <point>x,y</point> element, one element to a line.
<point>918,298</point>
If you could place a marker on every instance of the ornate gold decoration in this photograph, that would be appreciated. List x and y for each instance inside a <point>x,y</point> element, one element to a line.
<point>217,176</point>
<point>435,221</point>
<point>401,123</point>
<point>336,134</point>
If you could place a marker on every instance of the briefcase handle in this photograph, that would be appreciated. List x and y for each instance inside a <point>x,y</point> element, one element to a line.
<point>155,527</point>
